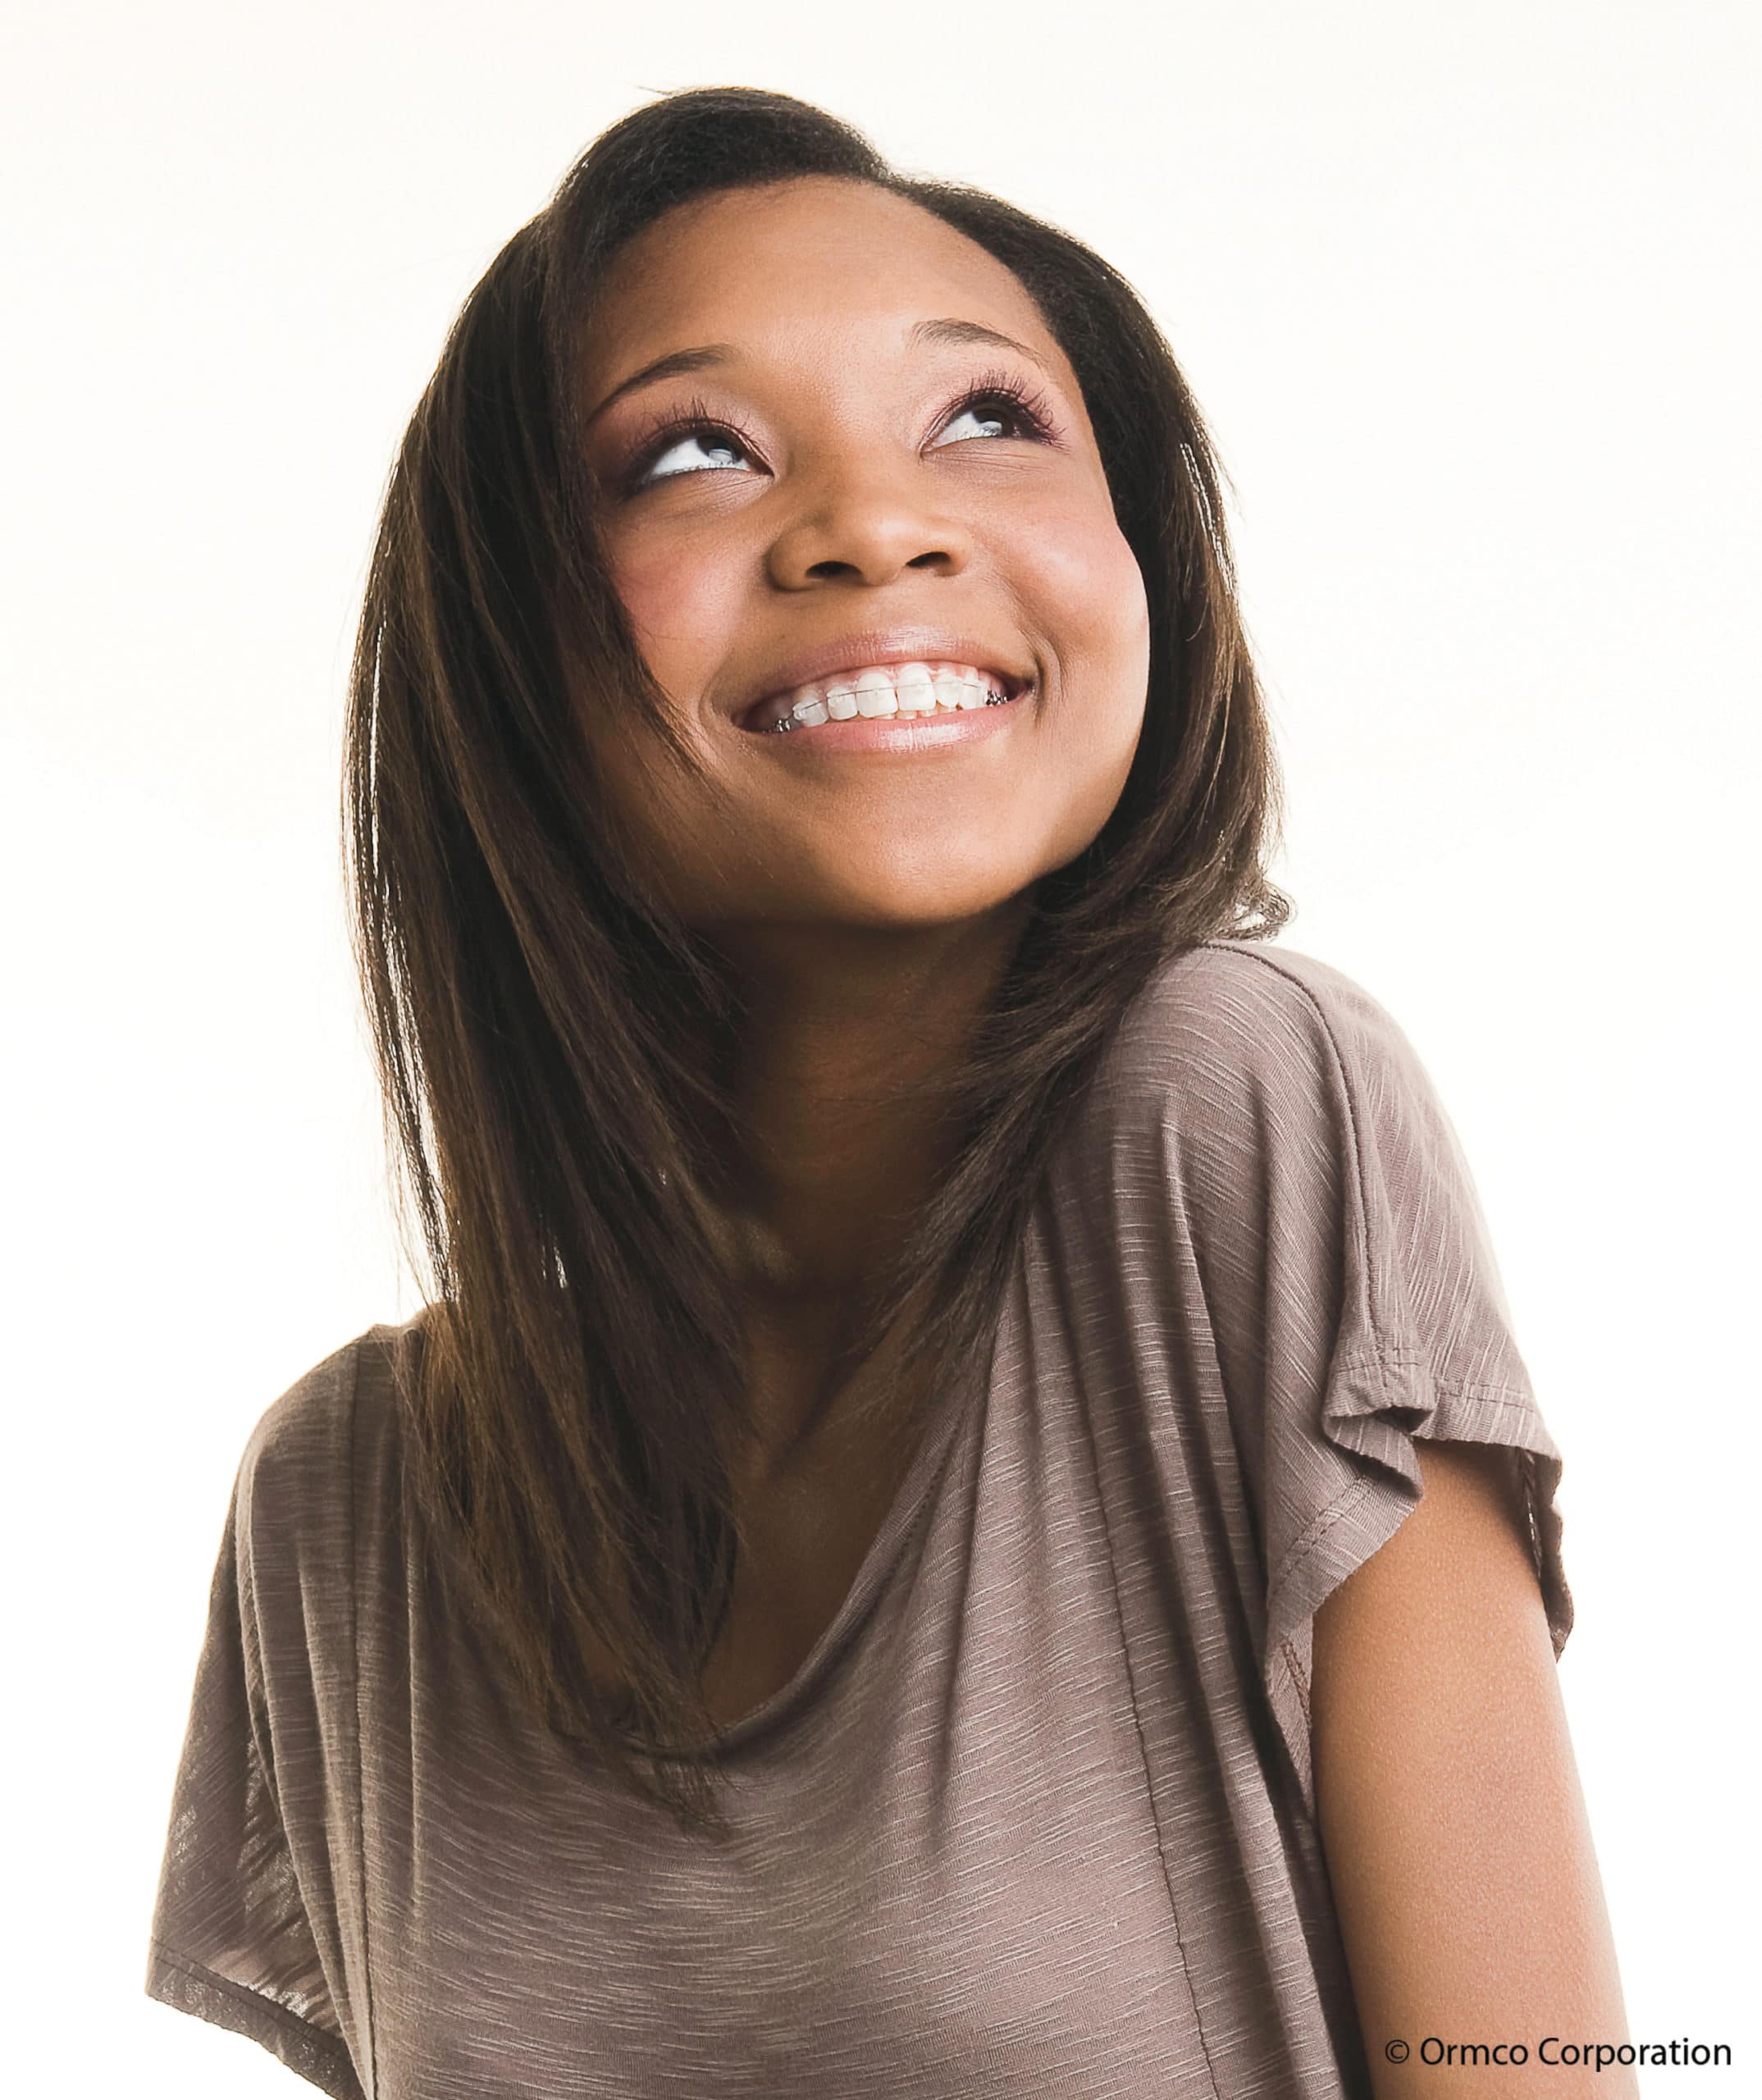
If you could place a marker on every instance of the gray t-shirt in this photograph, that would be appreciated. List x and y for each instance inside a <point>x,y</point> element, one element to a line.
<point>1036,1816</point>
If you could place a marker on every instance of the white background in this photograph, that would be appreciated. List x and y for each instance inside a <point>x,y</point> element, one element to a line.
<point>1466,295</point>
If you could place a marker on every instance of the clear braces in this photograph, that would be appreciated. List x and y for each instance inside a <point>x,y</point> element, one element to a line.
<point>789,722</point>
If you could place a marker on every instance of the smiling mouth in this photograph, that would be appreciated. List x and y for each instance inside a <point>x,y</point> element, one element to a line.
<point>894,692</point>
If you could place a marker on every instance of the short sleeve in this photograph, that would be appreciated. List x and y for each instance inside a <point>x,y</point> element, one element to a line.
<point>1358,1304</point>
<point>233,1939</point>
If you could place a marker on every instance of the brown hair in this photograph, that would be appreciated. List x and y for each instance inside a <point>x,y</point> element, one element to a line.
<point>553,1047</point>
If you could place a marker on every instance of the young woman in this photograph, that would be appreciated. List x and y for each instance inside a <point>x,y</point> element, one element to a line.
<point>966,1518</point>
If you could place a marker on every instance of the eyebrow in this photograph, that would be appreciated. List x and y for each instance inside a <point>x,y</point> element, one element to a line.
<point>973,331</point>
<point>677,361</point>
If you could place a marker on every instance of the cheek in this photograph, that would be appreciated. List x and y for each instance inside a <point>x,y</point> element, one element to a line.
<point>682,601</point>
<point>1080,584</point>
<point>1081,588</point>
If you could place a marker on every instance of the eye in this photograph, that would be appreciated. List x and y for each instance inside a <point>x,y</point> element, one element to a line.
<point>714,450</point>
<point>994,417</point>
<point>999,408</point>
<point>685,441</point>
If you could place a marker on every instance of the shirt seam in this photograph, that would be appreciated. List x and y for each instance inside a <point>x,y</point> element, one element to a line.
<point>1143,1759</point>
<point>335,2046</point>
<point>354,1662</point>
<point>1356,1490</point>
<point>1317,1529</point>
<point>1385,1358</point>
<point>1372,1271</point>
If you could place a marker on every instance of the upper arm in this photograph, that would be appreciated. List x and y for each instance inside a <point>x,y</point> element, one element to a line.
<point>1449,1801</point>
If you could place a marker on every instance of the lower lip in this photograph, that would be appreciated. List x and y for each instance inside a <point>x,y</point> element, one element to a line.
<point>886,733</point>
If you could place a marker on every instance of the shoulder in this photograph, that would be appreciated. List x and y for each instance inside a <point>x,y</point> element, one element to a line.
<point>299,1473</point>
<point>1235,1029</point>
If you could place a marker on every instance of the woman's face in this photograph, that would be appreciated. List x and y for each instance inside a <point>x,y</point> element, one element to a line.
<point>821,479</point>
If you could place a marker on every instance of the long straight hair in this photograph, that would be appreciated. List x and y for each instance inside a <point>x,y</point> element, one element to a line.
<point>554,1047</point>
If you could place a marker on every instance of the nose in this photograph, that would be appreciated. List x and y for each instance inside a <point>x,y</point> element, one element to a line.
<point>866,531</point>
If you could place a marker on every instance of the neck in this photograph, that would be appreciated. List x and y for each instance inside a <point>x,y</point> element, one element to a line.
<point>833,1165</point>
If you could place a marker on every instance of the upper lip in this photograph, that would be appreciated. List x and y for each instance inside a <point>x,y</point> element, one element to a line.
<point>874,646</point>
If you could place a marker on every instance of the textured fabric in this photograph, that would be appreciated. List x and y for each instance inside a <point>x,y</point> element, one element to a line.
<point>1035,1818</point>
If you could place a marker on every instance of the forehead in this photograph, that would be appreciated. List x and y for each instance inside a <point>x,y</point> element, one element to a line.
<point>820,255</point>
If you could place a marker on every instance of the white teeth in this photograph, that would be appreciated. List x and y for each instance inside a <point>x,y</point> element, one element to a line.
<point>905,689</point>
<point>960,686</point>
<point>876,695</point>
<point>916,694</point>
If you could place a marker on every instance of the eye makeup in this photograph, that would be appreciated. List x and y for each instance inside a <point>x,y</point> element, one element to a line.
<point>1026,407</point>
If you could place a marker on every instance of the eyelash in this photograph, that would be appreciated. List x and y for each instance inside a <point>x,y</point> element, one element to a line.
<point>1027,404</point>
